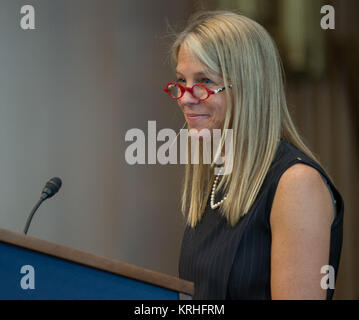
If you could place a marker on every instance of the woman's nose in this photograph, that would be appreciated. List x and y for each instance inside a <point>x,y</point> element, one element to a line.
<point>188,98</point>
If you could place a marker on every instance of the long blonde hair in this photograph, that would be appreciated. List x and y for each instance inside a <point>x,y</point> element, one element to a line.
<point>244,55</point>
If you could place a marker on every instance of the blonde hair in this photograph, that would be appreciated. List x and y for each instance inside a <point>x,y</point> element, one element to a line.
<point>244,55</point>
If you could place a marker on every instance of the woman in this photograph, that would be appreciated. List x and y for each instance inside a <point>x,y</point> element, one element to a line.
<point>269,228</point>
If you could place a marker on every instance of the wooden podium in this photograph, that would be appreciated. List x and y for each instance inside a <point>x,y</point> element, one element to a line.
<point>31,268</point>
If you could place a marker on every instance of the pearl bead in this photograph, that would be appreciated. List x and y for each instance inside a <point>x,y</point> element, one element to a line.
<point>215,205</point>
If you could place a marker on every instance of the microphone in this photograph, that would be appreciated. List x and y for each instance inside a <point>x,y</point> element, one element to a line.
<point>50,189</point>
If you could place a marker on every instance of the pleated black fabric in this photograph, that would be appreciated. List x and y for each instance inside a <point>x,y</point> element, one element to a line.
<point>227,262</point>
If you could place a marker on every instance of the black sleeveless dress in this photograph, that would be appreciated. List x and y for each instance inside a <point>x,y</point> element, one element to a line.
<point>227,262</point>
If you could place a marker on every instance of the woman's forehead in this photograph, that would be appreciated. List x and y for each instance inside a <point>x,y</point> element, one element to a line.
<point>189,63</point>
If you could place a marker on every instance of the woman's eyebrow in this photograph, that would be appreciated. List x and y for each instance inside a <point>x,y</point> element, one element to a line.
<point>197,74</point>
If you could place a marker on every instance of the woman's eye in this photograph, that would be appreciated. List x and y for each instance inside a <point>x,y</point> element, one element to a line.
<point>206,80</point>
<point>203,80</point>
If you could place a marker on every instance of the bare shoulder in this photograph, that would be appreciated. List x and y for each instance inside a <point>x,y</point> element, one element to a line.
<point>302,190</point>
<point>301,216</point>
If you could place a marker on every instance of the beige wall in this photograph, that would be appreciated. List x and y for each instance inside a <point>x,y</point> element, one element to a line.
<point>70,89</point>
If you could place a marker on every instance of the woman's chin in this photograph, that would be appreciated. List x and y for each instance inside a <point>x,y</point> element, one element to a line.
<point>200,131</point>
<point>201,127</point>
<point>198,125</point>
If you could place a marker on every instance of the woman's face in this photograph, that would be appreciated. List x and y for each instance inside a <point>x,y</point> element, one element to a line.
<point>210,113</point>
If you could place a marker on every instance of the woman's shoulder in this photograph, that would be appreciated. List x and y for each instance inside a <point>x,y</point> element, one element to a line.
<point>298,183</point>
<point>292,161</point>
<point>302,194</point>
<point>299,174</point>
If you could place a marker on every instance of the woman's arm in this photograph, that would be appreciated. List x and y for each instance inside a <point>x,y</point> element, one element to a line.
<point>301,217</point>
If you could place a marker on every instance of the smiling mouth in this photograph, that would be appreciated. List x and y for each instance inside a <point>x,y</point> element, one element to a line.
<point>194,116</point>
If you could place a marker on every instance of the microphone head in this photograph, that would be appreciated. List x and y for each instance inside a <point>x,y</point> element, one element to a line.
<point>51,187</point>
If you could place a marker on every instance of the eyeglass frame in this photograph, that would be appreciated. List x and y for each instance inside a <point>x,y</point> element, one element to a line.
<point>190,90</point>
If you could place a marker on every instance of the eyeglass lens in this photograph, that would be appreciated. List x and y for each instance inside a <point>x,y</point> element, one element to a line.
<point>198,91</point>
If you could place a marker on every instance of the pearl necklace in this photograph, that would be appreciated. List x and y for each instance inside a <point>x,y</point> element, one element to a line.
<point>216,205</point>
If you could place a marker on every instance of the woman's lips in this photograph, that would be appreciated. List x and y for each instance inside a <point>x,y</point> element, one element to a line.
<point>196,116</point>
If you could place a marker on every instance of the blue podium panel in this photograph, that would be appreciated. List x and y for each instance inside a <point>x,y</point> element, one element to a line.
<point>52,278</point>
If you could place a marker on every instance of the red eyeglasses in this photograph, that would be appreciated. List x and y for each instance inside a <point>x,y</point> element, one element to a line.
<point>199,91</point>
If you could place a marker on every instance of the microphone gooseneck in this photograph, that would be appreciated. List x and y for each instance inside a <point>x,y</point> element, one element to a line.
<point>37,205</point>
<point>50,189</point>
